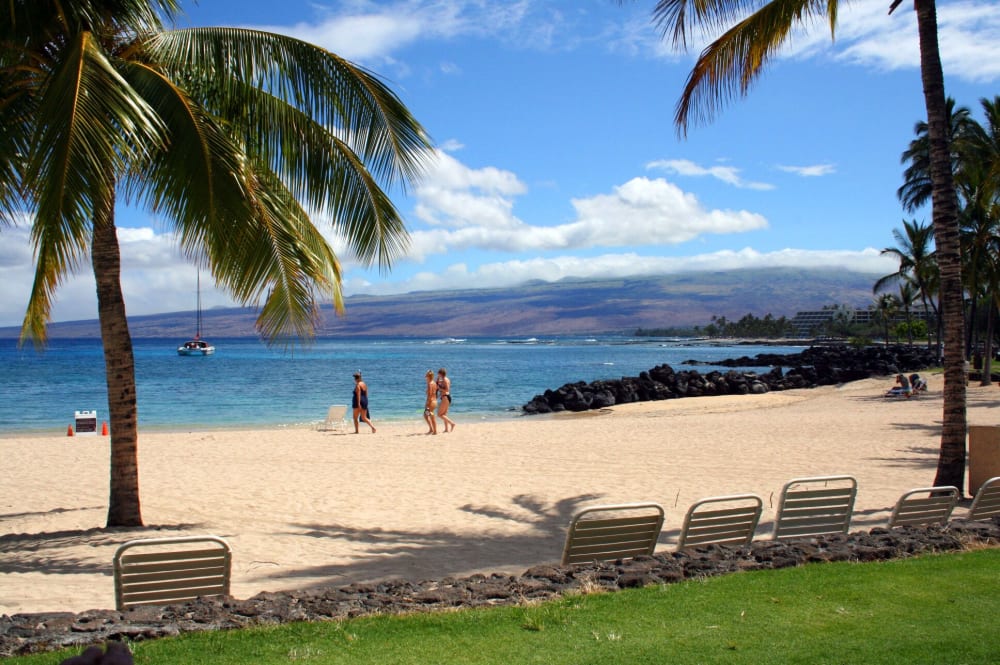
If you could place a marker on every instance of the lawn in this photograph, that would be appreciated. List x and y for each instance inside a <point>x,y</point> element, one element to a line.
<point>931,609</point>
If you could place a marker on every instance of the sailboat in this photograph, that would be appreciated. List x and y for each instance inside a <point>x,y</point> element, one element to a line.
<point>196,346</point>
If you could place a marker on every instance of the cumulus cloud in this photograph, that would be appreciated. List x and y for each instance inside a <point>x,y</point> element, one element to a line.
<point>811,171</point>
<point>727,174</point>
<point>468,208</point>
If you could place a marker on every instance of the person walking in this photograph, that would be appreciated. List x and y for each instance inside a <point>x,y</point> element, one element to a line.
<point>444,399</point>
<point>430,403</point>
<point>359,402</point>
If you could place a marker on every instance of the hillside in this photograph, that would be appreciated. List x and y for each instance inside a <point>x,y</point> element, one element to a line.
<point>565,307</point>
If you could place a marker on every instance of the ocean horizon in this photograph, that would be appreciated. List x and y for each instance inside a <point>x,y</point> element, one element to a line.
<point>247,384</point>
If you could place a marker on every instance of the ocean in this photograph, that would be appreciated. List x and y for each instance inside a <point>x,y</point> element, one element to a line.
<point>247,384</point>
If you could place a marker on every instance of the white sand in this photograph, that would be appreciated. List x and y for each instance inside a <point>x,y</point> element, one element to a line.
<point>303,508</point>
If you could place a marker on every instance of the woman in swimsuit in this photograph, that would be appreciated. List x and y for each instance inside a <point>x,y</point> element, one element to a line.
<point>444,395</point>
<point>359,402</point>
<point>430,403</point>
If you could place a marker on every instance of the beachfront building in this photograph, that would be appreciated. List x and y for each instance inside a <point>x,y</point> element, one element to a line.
<point>806,324</point>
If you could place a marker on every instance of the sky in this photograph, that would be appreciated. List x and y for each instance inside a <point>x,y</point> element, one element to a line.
<point>556,155</point>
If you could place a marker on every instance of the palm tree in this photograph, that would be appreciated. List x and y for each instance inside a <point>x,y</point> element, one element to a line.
<point>886,308</point>
<point>917,264</point>
<point>735,60</point>
<point>232,136</point>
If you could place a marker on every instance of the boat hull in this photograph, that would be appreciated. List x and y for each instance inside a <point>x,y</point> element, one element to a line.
<point>195,348</point>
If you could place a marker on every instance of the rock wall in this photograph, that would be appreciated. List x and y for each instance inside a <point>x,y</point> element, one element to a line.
<point>816,366</point>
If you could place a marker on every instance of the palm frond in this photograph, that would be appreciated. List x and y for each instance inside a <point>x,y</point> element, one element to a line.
<point>215,65</point>
<point>729,65</point>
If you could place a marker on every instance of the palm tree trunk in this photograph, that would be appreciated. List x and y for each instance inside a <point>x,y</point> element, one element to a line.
<point>951,461</point>
<point>119,365</point>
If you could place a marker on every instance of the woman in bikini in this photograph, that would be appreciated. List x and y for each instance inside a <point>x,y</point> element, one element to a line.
<point>359,402</point>
<point>430,403</point>
<point>444,395</point>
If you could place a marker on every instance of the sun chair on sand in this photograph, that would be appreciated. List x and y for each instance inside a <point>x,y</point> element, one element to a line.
<point>815,506</point>
<point>721,520</point>
<point>160,571</point>
<point>608,533</point>
<point>987,501</point>
<point>923,506</point>
<point>336,419</point>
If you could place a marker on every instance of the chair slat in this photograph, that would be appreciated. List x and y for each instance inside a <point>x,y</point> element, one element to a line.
<point>145,572</point>
<point>923,506</point>
<point>614,532</point>
<point>815,506</point>
<point>721,520</point>
<point>986,503</point>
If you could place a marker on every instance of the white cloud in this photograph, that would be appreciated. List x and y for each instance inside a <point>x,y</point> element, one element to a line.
<point>469,208</point>
<point>810,171</point>
<point>727,174</point>
<point>968,35</point>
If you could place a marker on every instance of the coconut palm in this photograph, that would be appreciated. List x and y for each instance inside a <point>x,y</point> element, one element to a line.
<point>917,265</point>
<point>886,308</point>
<point>232,137</point>
<point>752,33</point>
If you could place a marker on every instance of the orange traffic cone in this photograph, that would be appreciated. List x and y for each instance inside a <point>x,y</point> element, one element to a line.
<point>69,432</point>
<point>104,428</point>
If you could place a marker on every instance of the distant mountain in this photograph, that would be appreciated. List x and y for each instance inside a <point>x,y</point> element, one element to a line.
<point>537,308</point>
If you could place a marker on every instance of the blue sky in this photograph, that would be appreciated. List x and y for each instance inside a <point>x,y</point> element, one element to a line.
<point>556,155</point>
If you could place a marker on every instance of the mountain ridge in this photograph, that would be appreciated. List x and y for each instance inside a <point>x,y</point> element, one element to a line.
<point>569,306</point>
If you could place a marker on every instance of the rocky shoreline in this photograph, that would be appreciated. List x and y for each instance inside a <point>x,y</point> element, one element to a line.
<point>30,633</point>
<point>816,366</point>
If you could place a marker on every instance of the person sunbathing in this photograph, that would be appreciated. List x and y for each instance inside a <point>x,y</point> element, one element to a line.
<point>901,389</point>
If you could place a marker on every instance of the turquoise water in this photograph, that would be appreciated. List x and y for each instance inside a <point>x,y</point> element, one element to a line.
<point>247,384</point>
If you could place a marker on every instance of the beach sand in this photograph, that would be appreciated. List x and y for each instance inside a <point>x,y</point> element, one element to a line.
<point>302,508</point>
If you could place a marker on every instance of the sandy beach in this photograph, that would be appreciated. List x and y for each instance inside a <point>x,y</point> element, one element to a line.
<point>303,508</point>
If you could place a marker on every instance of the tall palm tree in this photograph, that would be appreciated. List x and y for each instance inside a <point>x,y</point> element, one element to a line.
<point>886,308</point>
<point>753,32</point>
<point>917,264</point>
<point>232,136</point>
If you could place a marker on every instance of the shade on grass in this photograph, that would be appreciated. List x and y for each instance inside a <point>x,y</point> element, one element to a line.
<point>931,609</point>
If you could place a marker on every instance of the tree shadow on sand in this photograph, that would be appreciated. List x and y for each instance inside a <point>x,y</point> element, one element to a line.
<point>417,555</point>
<point>44,551</point>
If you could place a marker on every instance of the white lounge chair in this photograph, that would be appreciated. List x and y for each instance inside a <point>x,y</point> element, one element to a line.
<point>722,520</point>
<point>608,533</point>
<point>160,571</point>
<point>336,419</point>
<point>815,506</point>
<point>987,501</point>
<point>924,505</point>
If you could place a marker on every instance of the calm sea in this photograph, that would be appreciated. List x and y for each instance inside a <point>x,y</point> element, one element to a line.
<point>248,384</point>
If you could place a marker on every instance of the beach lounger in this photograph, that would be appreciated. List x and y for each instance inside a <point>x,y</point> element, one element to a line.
<point>815,507</point>
<point>721,520</point>
<point>987,501</point>
<point>608,533</point>
<point>923,506</point>
<point>160,571</point>
<point>336,419</point>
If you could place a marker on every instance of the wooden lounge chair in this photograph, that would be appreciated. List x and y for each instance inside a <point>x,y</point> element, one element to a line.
<point>815,506</point>
<point>987,501</point>
<point>724,520</point>
<point>336,419</point>
<point>608,533</point>
<point>923,506</point>
<point>160,571</point>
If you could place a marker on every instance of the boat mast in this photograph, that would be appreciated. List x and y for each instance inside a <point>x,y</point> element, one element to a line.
<point>198,332</point>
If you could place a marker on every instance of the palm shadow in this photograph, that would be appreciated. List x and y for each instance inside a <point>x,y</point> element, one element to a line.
<point>43,551</point>
<point>418,555</point>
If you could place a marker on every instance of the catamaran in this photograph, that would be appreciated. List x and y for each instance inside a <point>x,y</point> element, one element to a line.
<point>196,346</point>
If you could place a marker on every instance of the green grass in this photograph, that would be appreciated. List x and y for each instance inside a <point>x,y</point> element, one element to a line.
<point>931,609</point>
